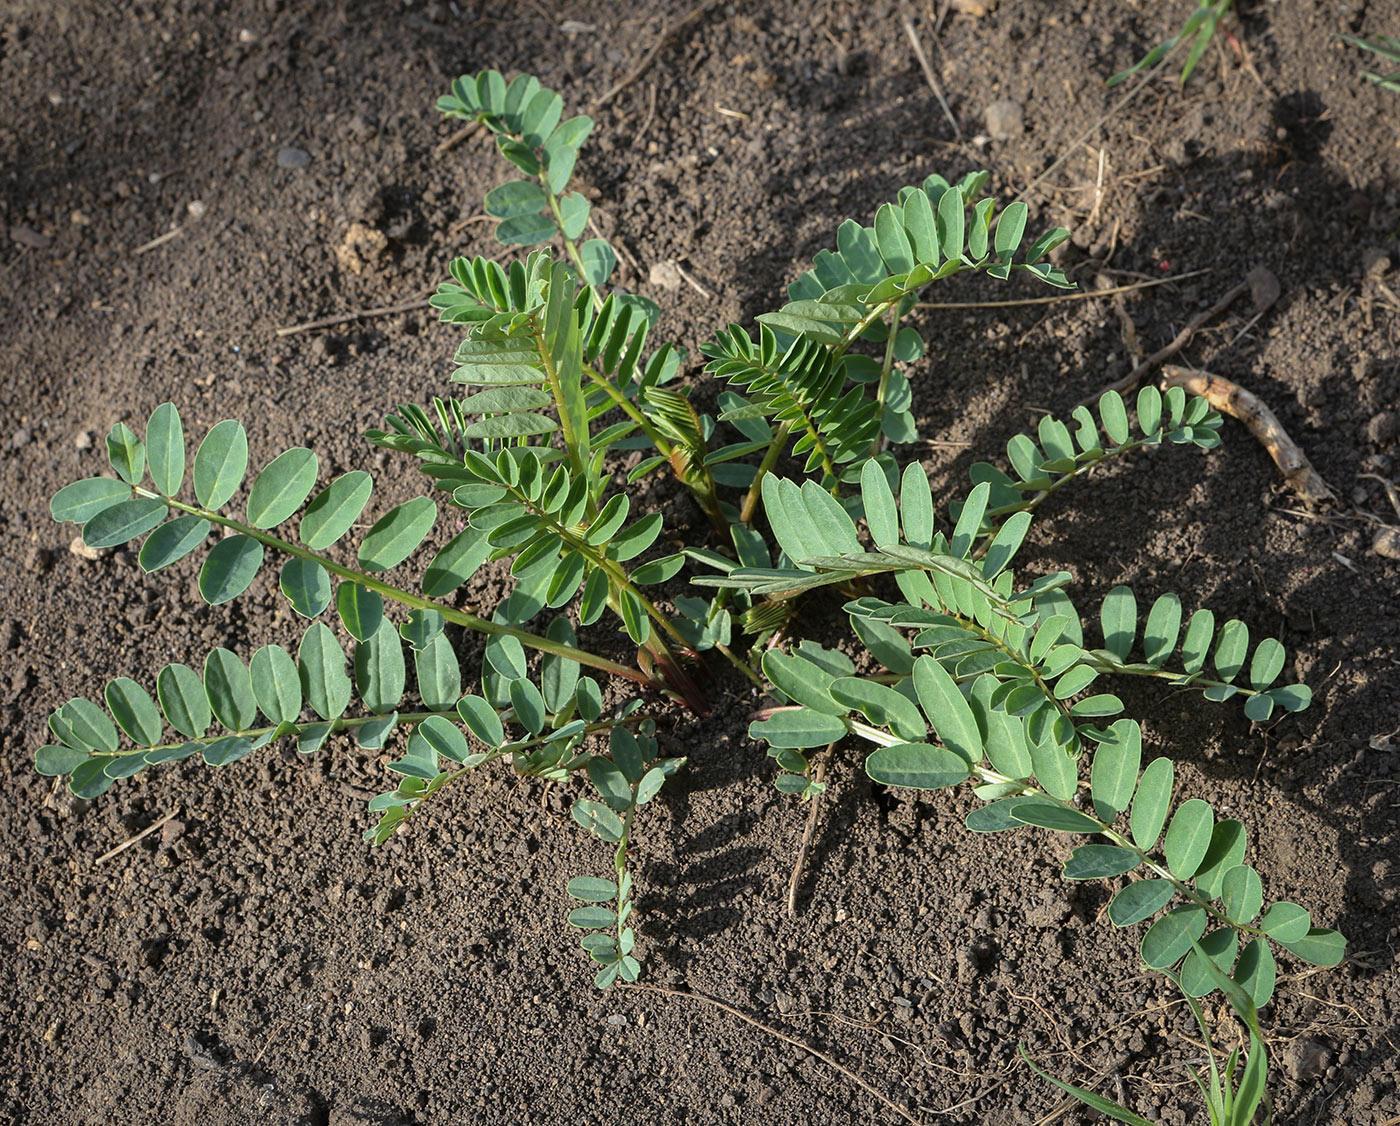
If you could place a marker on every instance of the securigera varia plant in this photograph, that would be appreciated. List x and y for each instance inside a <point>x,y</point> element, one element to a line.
<point>974,675</point>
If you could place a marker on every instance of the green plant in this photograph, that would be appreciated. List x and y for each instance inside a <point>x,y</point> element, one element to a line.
<point>969,676</point>
<point>1385,48</point>
<point>1230,1099</point>
<point>1199,28</point>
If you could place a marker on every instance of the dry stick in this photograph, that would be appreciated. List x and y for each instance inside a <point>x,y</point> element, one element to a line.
<point>159,240</point>
<point>1259,281</point>
<point>343,318</point>
<point>141,836</point>
<point>641,68</point>
<point>1232,399</point>
<point>1083,296</point>
<point>826,1059</point>
<point>808,835</point>
<point>457,138</point>
<point>928,71</point>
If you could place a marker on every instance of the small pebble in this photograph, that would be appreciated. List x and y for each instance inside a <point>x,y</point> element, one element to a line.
<point>617,1020</point>
<point>196,208</point>
<point>82,440</point>
<point>28,236</point>
<point>293,158</point>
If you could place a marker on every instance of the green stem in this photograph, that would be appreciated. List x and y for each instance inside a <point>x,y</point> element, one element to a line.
<point>878,443</point>
<point>417,602</point>
<point>770,459</point>
<point>618,579</point>
<point>566,424</point>
<point>340,723</point>
<point>1185,680</point>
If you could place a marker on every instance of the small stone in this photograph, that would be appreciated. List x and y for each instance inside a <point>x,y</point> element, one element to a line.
<point>665,275</point>
<point>1005,119</point>
<point>246,36</point>
<point>9,635</point>
<point>1387,543</point>
<point>82,440</point>
<point>1383,427</point>
<point>617,1020</point>
<point>28,236</point>
<point>39,560</point>
<point>53,1032</point>
<point>82,551</point>
<point>80,219</point>
<point>196,208</point>
<point>363,1113</point>
<point>290,157</point>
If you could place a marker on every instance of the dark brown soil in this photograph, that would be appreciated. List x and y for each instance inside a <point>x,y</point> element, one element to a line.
<point>253,961</point>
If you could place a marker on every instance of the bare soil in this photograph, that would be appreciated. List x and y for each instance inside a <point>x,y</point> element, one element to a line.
<point>253,961</point>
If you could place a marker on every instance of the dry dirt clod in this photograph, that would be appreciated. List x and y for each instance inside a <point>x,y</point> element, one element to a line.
<point>82,551</point>
<point>1387,543</point>
<point>1005,119</point>
<point>666,275</point>
<point>1306,1059</point>
<point>363,248</point>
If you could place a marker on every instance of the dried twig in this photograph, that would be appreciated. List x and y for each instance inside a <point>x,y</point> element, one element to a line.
<point>159,240</point>
<point>650,57</point>
<point>457,138</point>
<point>344,318</point>
<point>1232,399</point>
<point>928,72</point>
<point>690,281</point>
<point>141,836</point>
<point>1260,283</point>
<point>808,835</point>
<point>783,1036</point>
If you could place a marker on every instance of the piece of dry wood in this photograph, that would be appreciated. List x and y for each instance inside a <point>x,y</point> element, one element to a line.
<point>808,835</point>
<point>1263,288</point>
<point>345,318</point>
<point>457,138</point>
<point>1230,398</point>
<point>141,836</point>
<point>783,1036</point>
<point>667,35</point>
<point>927,68</point>
<point>159,240</point>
